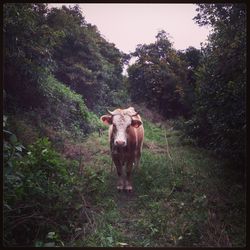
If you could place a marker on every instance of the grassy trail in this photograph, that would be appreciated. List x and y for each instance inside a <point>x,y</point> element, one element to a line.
<point>192,200</point>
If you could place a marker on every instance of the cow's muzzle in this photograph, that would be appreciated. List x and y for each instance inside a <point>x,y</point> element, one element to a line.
<point>120,143</point>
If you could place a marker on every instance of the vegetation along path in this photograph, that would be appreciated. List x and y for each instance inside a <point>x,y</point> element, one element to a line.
<point>59,186</point>
<point>182,196</point>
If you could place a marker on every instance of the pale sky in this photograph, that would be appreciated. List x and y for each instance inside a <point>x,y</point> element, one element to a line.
<point>127,25</point>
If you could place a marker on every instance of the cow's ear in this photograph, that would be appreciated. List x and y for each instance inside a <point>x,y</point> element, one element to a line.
<point>136,123</point>
<point>106,119</point>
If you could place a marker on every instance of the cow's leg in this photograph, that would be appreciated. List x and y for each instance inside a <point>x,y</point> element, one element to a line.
<point>120,182</point>
<point>128,186</point>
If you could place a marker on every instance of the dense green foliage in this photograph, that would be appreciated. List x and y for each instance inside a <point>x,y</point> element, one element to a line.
<point>29,82</point>
<point>192,58</point>
<point>219,122</point>
<point>86,61</point>
<point>27,53</point>
<point>207,87</point>
<point>44,194</point>
<point>44,44</point>
<point>158,77</point>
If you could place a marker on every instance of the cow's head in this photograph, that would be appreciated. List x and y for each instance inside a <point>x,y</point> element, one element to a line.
<point>121,120</point>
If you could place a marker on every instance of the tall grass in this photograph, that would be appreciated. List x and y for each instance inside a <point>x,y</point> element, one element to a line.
<point>191,199</point>
<point>183,201</point>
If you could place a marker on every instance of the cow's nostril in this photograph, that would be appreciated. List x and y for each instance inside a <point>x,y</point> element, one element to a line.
<point>120,143</point>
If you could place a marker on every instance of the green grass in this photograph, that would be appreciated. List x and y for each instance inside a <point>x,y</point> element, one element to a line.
<point>184,196</point>
<point>192,200</point>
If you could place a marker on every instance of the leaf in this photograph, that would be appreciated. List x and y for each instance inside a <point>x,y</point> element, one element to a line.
<point>6,205</point>
<point>4,120</point>
<point>100,179</point>
<point>7,132</point>
<point>78,206</point>
<point>61,242</point>
<point>110,239</point>
<point>13,139</point>
<point>78,229</point>
<point>18,154</point>
<point>122,244</point>
<point>51,235</point>
<point>44,151</point>
<point>18,148</point>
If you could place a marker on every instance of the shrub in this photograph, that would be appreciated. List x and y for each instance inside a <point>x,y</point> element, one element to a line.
<point>44,195</point>
<point>67,107</point>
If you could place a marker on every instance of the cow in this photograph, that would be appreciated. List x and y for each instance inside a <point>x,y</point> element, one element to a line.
<point>126,134</point>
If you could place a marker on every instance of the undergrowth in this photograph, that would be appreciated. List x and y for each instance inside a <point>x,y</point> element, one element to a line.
<point>183,196</point>
<point>45,195</point>
<point>184,200</point>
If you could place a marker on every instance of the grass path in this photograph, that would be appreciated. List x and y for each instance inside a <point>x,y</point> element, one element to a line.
<point>192,200</point>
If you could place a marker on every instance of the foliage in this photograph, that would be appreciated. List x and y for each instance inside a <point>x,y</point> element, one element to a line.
<point>46,49</point>
<point>220,109</point>
<point>192,58</point>
<point>44,195</point>
<point>28,77</point>
<point>106,234</point>
<point>58,67</point>
<point>158,77</point>
<point>12,147</point>
<point>85,60</point>
<point>69,108</point>
<point>193,200</point>
<point>28,45</point>
<point>176,198</point>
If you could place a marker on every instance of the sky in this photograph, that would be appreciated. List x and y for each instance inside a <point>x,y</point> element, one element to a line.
<point>127,25</point>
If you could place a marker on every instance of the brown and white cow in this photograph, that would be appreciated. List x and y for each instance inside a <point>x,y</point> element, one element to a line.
<point>126,135</point>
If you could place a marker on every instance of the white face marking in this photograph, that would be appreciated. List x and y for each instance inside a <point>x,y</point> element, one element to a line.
<point>120,124</point>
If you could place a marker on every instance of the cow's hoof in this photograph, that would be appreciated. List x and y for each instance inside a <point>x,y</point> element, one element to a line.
<point>128,189</point>
<point>119,188</point>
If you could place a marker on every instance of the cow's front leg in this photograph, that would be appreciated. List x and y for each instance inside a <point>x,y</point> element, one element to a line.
<point>128,186</point>
<point>120,181</point>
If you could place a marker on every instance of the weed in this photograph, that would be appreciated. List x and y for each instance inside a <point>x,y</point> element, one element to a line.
<point>189,200</point>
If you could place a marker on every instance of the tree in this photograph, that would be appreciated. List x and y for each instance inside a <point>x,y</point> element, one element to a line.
<point>85,60</point>
<point>221,80</point>
<point>192,58</point>
<point>28,45</point>
<point>29,63</point>
<point>158,76</point>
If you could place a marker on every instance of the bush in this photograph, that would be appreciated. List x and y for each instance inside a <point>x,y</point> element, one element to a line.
<point>67,107</point>
<point>220,92</point>
<point>44,195</point>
